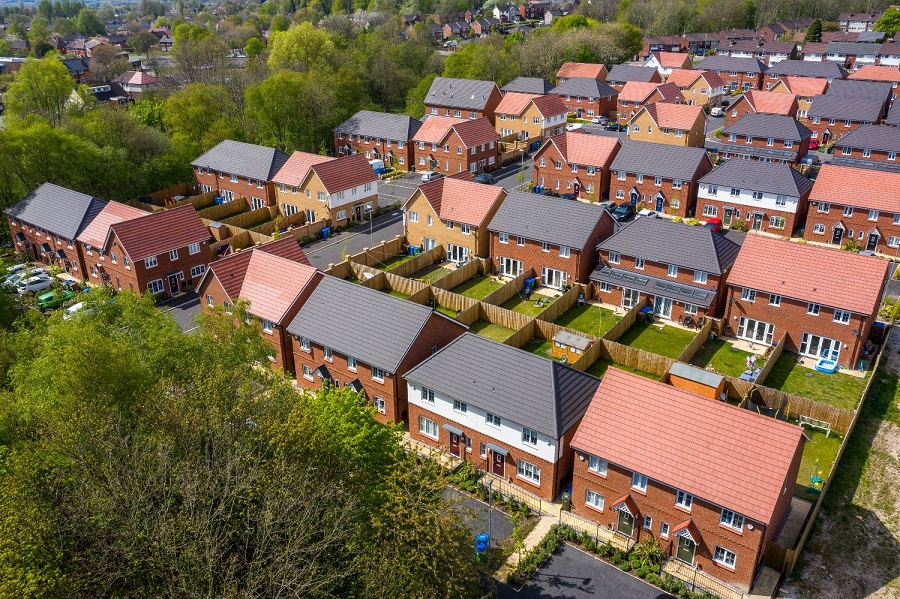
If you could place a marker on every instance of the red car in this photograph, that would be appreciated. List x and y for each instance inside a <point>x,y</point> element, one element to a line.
<point>814,144</point>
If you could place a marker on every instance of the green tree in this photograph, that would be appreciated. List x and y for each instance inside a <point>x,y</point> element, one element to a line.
<point>39,36</point>
<point>254,47</point>
<point>813,32</point>
<point>64,26</point>
<point>889,23</point>
<point>571,22</point>
<point>278,22</point>
<point>301,48</point>
<point>487,59</point>
<point>5,48</point>
<point>42,88</point>
<point>415,99</point>
<point>198,116</point>
<point>89,24</point>
<point>142,41</point>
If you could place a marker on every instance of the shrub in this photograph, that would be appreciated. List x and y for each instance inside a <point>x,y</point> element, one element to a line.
<point>717,134</point>
<point>624,566</point>
<point>654,579</point>
<point>647,552</point>
<point>852,246</point>
<point>693,222</point>
<point>740,225</point>
<point>606,550</point>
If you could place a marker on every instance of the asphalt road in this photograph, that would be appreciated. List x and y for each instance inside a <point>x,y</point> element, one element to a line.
<point>475,514</point>
<point>507,177</point>
<point>184,310</point>
<point>352,241</point>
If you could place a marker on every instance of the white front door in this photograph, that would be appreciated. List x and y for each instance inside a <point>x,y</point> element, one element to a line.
<point>816,346</point>
<point>550,277</point>
<point>629,298</point>
<point>756,330</point>
<point>662,306</point>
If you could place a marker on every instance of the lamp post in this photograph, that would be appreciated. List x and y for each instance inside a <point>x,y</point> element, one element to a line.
<point>490,486</point>
<point>370,210</point>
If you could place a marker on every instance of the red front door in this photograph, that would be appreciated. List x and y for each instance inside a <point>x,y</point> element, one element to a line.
<point>454,444</point>
<point>497,463</point>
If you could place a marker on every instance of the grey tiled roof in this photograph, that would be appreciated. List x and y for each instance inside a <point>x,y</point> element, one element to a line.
<point>731,63</point>
<point>397,127</point>
<point>843,108</point>
<point>57,210</point>
<point>755,175</point>
<point>659,160</point>
<point>854,48</point>
<point>661,240</point>
<point>243,159</point>
<point>516,385</point>
<point>585,87</point>
<point>468,94</point>
<point>853,88</point>
<point>543,218</point>
<point>528,85</point>
<point>872,137</point>
<point>826,69</point>
<point>737,149</point>
<point>863,163</point>
<point>893,117</point>
<point>650,285</point>
<point>759,124</point>
<point>622,72</point>
<point>380,338</point>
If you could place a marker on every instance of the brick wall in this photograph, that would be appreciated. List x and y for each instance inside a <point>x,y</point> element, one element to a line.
<point>859,221</point>
<point>241,188</point>
<point>388,150</point>
<point>600,106</point>
<point>452,161</point>
<point>792,221</point>
<point>74,264</point>
<point>477,240</point>
<point>857,153</point>
<point>563,178</point>
<point>739,79</point>
<point>824,131</point>
<point>687,195</point>
<point>801,147</point>
<point>136,276</point>
<point>487,112</point>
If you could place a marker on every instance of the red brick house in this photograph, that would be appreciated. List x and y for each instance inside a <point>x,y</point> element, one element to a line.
<point>805,298</point>
<point>707,517</point>
<point>462,98</point>
<point>449,145</point>
<point>680,270</point>
<point>586,97</point>
<point>570,70</point>
<point>765,137</point>
<point>831,117</point>
<point>236,169</point>
<point>371,353</point>
<point>623,73</point>
<point>759,102</point>
<point>634,95</point>
<point>868,146</point>
<point>883,74</point>
<point>736,73</point>
<point>666,62</point>
<point>576,162</point>
<point>91,240</point>
<point>274,279</point>
<point>663,43</point>
<point>159,253</point>
<point>378,135</point>
<point>506,420</point>
<point>555,237</point>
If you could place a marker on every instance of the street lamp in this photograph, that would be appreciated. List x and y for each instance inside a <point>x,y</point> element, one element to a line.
<point>370,210</point>
<point>490,486</point>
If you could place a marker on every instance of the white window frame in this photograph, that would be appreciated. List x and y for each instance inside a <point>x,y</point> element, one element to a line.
<point>748,295</point>
<point>426,426</point>
<point>528,471</point>
<point>529,436</point>
<point>598,465</point>
<point>150,262</point>
<point>684,500</point>
<point>638,481</point>
<point>193,248</point>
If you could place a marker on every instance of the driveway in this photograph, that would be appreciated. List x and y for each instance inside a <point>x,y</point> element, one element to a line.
<point>183,309</point>
<point>573,574</point>
<point>328,251</point>
<point>476,516</point>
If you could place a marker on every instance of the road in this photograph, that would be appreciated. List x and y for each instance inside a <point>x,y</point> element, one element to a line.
<point>352,241</point>
<point>183,310</point>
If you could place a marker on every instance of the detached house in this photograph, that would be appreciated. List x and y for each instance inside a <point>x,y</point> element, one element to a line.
<point>623,73</point>
<point>634,95</point>
<point>44,225</point>
<point>666,62</point>
<point>759,102</point>
<point>869,146</point>
<point>570,70</point>
<point>576,163</point>
<point>674,124</point>
<point>508,412</point>
<point>765,137</point>
<point>274,279</point>
<point>848,202</point>
<point>736,73</point>
<point>452,212</point>
<point>706,518</point>
<point>379,136</point>
<point>556,238</point>
<point>586,97</point>
<point>804,88</point>
<point>680,270</point>
<point>370,354</point>
<point>805,298</point>
<point>766,196</point>
<point>235,169</point>
<point>450,145</point>
<point>530,117</point>
<point>462,98</point>
<point>699,88</point>
<point>659,176</point>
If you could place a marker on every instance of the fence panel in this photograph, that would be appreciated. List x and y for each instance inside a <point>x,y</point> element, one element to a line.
<point>595,530</point>
<point>508,290</point>
<point>499,485</point>
<point>223,211</point>
<point>403,285</point>
<point>249,220</point>
<point>340,270</point>
<point>797,406</point>
<point>638,358</point>
<point>237,242</point>
<point>377,282</point>
<point>694,346</point>
<point>159,197</point>
<point>458,276</point>
<point>503,317</point>
<point>623,325</point>
<point>522,336</point>
<point>284,223</point>
<point>562,303</point>
<point>307,231</point>
<point>591,355</point>
<point>771,359</point>
<point>697,579</point>
<point>422,296</point>
<point>363,272</point>
<point>453,301</point>
<point>416,264</point>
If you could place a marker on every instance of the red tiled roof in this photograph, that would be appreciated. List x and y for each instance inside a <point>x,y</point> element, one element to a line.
<point>157,233</point>
<point>272,284</point>
<point>114,212</point>
<point>674,116</point>
<point>810,273</point>
<point>672,59</point>
<point>772,102</point>
<point>814,47</point>
<point>629,502</point>
<point>689,527</point>
<point>550,105</point>
<point>461,200</point>
<point>476,132</point>
<point>435,129</point>
<point>872,72</point>
<point>637,91</point>
<point>514,103</point>
<point>345,172</point>
<point>136,78</point>
<point>297,167</point>
<point>691,443</point>
<point>569,70</point>
<point>589,150</point>
<point>685,77</point>
<point>806,86</point>
<point>859,187</point>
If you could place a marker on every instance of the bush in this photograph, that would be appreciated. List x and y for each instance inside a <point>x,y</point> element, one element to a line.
<point>717,134</point>
<point>654,579</point>
<point>852,246</point>
<point>693,222</point>
<point>532,560</point>
<point>740,225</point>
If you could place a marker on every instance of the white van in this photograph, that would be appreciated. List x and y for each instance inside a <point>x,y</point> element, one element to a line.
<point>574,127</point>
<point>376,164</point>
<point>717,111</point>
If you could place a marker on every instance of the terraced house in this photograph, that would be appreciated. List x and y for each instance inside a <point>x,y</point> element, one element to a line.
<point>759,102</point>
<point>512,414</point>
<point>450,145</point>
<point>586,97</point>
<point>765,137</point>
<point>576,163</point>
<point>378,136</point>
<point>818,69</point>
<point>869,146</point>
<point>92,238</point>
<point>529,117</point>
<point>702,515</point>
<point>462,98</point>
<point>736,73</point>
<point>235,169</point>
<point>699,88</point>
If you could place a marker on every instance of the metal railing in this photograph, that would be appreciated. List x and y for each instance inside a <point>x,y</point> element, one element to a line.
<point>598,532</point>
<point>495,483</point>
<point>698,579</point>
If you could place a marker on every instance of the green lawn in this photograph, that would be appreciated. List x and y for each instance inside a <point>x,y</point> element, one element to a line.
<point>430,274</point>
<point>598,369</point>
<point>446,311</point>
<point>817,448</point>
<point>724,358</point>
<point>518,303</point>
<point>838,389</point>
<point>399,294</point>
<point>394,261</point>
<point>539,347</point>
<point>668,341</point>
<point>590,318</point>
<point>490,330</point>
<point>478,287</point>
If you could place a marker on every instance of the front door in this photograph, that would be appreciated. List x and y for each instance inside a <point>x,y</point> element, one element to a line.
<point>629,298</point>
<point>662,306</point>
<point>578,111</point>
<point>310,215</point>
<point>837,236</point>
<point>633,197</point>
<point>659,203</point>
<point>729,212</point>
<point>498,463</point>
<point>757,221</point>
<point>872,243</point>
<point>454,444</point>
<point>625,523</point>
<point>358,211</point>
<point>686,550</point>
<point>173,283</point>
<point>826,135</point>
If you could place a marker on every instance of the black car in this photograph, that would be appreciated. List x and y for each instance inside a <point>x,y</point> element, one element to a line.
<point>623,213</point>
<point>484,178</point>
<point>614,126</point>
<point>567,196</point>
<point>550,193</point>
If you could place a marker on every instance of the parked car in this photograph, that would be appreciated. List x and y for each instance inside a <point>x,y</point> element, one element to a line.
<point>623,213</point>
<point>717,111</point>
<point>17,268</point>
<point>430,176</point>
<point>814,144</point>
<point>714,225</point>
<point>810,159</point>
<point>13,281</point>
<point>376,164</point>
<point>647,213</point>
<point>33,284</point>
<point>568,196</point>
<point>53,299</point>
<point>614,126</point>
<point>383,170</point>
<point>574,127</point>
<point>550,193</point>
<point>484,178</point>
<point>600,120</point>
<point>609,206</point>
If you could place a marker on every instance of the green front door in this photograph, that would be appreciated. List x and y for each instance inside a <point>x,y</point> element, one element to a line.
<point>625,525</point>
<point>686,549</point>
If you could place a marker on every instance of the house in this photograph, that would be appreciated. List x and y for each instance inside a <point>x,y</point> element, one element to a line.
<point>338,189</point>
<point>274,279</point>
<point>881,74</point>
<point>869,146</point>
<point>789,27</point>
<point>507,13</point>
<point>767,52</point>
<point>852,55</point>
<point>453,212</point>
<point>137,83</point>
<point>831,116</point>
<point>514,423</point>
<point>530,117</point>
<point>852,88</point>
<point>623,73</point>
<point>805,298</point>
<point>699,88</point>
<point>451,145</point>
<point>766,197</point>
<point>663,43</point>
<point>706,518</point>
<point>804,88</point>
<point>456,30</point>
<point>160,253</point>
<point>765,137</point>
<point>586,97</point>
<point>93,237</point>
<point>828,70</point>
<point>889,54</point>
<point>849,21</point>
<point>44,225</point>
<point>576,163</point>
<point>379,136</point>
<point>675,124</point>
<point>733,35</point>
<point>760,102</point>
<point>554,237</point>
<point>700,44</point>
<point>848,202</point>
<point>679,270</point>
<point>235,169</point>
<point>533,11</point>
<point>371,353</point>
<point>528,85</point>
<point>736,73</point>
<point>552,14</point>
<point>635,95</point>
<point>77,67</point>
<point>813,51</point>
<point>658,176</point>
<point>462,98</point>
<point>166,42</point>
<point>666,62</point>
<point>569,70</point>
<point>485,26</point>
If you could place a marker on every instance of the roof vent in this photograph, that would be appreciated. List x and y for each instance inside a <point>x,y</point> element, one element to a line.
<point>473,97</point>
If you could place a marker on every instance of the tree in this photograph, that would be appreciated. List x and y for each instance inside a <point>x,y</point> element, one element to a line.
<point>889,23</point>
<point>107,62</point>
<point>5,48</point>
<point>301,48</point>
<point>64,26</point>
<point>89,24</point>
<point>813,32</point>
<point>142,41</point>
<point>254,47</point>
<point>198,116</point>
<point>415,99</point>
<point>279,22</point>
<point>486,59</point>
<point>41,87</point>
<point>39,36</point>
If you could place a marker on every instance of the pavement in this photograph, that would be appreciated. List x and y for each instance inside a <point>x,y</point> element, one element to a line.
<point>184,310</point>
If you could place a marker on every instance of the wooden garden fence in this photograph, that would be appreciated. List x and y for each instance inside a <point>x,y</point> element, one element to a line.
<point>623,325</point>
<point>458,276</point>
<point>419,262</point>
<point>508,290</point>
<point>696,343</point>
<point>223,211</point>
<point>771,359</point>
<point>562,303</point>
<point>640,359</point>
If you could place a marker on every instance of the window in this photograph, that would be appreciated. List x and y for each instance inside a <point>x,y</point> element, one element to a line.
<point>593,499</point>
<point>465,229</point>
<point>770,141</point>
<point>664,530</point>
<point>684,500</point>
<point>428,427</point>
<point>413,217</point>
<point>620,194</point>
<point>813,309</point>
<point>639,481</point>
<point>780,200</point>
<point>757,195</point>
<point>873,215</point>
<point>529,436</point>
<point>209,300</point>
<point>449,224</point>
<point>776,222</point>
<point>823,207</point>
<point>460,406</point>
<point>194,248</point>
<point>639,178</point>
<point>639,263</point>
<point>597,465</point>
<point>304,344</point>
<point>620,175</point>
<point>233,178</point>
<point>690,309</point>
<point>658,181</point>
<point>735,192</point>
<point>545,246</point>
<point>379,404</point>
<point>673,270</point>
<point>614,257</point>
<point>307,372</point>
<point>564,251</point>
<point>819,229</point>
<point>676,183</point>
<point>268,325</point>
<point>732,519</point>
<point>427,395</point>
<point>842,316</point>
<point>789,143</point>
<point>520,241</point>
<point>774,300</point>
<point>846,151</point>
<point>377,373</point>
<point>492,419</point>
<point>127,262</point>
<point>341,215</point>
<point>173,254</point>
<point>893,241</point>
<point>648,522</point>
<point>700,277</point>
<point>150,262</point>
<point>155,286</point>
<point>605,287</point>
<point>528,471</point>
<point>866,153</point>
<point>504,237</point>
<point>710,210</point>
<point>748,295</point>
<point>724,557</point>
<point>351,363</point>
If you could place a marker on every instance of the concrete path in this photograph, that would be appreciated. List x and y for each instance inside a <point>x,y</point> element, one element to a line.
<point>533,538</point>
